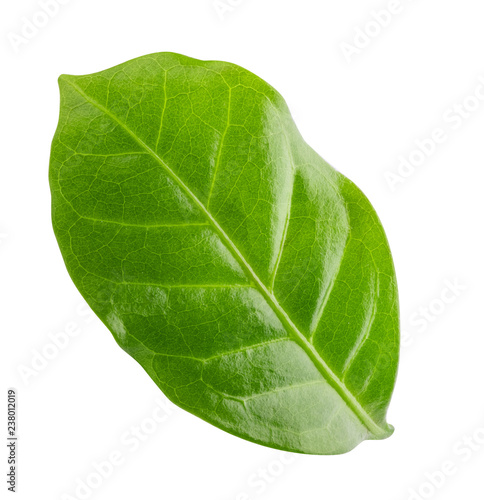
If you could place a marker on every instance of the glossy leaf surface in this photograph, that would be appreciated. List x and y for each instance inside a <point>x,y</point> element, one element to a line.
<point>251,280</point>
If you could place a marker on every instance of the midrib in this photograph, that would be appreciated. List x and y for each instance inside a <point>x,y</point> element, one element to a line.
<point>299,338</point>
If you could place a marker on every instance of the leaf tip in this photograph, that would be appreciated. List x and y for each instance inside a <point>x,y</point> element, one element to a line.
<point>63,79</point>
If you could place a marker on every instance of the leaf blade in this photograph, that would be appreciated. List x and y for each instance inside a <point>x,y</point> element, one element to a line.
<point>280,216</point>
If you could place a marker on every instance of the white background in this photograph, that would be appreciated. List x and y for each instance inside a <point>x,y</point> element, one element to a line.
<point>361,113</point>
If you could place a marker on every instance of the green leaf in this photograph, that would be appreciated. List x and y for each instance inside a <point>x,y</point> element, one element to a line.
<point>251,280</point>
